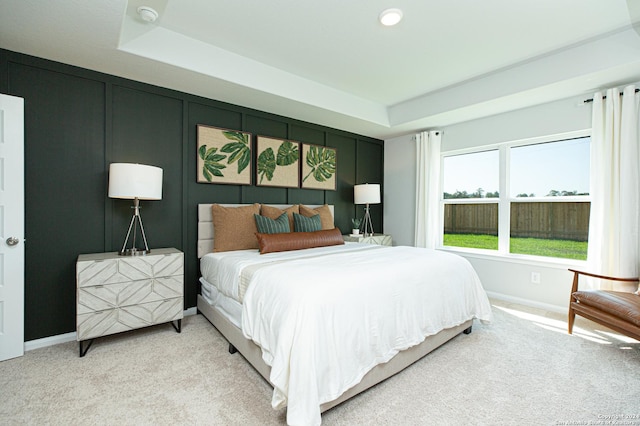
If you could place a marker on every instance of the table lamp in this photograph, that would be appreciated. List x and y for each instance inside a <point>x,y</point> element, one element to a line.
<point>367,194</point>
<point>135,182</point>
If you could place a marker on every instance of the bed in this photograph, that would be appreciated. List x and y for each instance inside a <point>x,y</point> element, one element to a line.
<point>324,323</point>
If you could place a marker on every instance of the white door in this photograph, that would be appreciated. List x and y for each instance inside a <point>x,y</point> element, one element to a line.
<point>11,227</point>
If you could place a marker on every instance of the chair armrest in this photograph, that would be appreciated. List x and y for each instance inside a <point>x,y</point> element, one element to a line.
<point>577,273</point>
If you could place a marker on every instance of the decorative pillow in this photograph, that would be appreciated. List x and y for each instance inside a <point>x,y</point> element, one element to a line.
<point>234,228</point>
<point>326,218</point>
<point>274,212</point>
<point>270,243</point>
<point>267,225</point>
<point>306,224</point>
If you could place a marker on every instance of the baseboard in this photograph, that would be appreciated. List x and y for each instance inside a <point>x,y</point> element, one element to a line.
<point>49,341</point>
<point>526,302</point>
<point>71,337</point>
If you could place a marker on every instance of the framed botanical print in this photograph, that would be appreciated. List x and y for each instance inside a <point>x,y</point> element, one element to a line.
<point>278,163</point>
<point>319,167</point>
<point>224,156</point>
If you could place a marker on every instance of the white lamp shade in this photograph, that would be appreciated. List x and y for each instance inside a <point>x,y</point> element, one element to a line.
<point>368,193</point>
<point>131,181</point>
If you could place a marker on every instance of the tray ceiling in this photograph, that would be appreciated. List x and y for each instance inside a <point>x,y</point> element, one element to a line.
<point>334,64</point>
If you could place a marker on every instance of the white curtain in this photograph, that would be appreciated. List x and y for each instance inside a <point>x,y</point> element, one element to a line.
<point>614,245</point>
<point>427,188</point>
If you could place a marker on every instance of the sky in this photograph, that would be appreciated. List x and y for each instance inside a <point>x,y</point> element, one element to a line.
<point>535,169</point>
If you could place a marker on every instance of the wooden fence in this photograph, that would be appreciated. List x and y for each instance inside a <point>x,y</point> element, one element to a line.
<point>556,221</point>
<point>471,219</point>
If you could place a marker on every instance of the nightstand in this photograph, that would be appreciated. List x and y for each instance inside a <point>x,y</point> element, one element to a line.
<point>120,293</point>
<point>379,239</point>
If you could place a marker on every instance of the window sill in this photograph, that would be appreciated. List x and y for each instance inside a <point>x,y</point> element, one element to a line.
<point>547,262</point>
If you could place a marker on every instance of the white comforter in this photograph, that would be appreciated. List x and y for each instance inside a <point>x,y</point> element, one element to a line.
<point>323,322</point>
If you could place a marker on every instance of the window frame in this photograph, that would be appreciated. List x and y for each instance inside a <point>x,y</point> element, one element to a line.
<point>505,199</point>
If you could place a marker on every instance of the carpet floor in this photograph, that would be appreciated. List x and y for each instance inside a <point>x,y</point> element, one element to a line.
<point>522,369</point>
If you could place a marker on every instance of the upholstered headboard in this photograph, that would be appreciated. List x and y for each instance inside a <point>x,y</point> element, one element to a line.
<point>205,224</point>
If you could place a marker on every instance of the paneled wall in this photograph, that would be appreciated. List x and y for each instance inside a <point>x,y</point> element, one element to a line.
<point>79,121</point>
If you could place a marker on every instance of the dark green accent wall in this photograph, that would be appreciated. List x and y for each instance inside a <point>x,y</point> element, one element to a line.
<point>79,121</point>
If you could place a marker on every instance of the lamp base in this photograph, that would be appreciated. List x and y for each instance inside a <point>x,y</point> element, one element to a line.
<point>134,252</point>
<point>135,220</point>
<point>367,226</point>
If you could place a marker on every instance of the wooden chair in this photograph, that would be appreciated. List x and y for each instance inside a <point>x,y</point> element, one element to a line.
<point>619,311</point>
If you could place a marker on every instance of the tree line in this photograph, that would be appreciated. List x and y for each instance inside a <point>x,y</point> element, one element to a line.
<point>481,193</point>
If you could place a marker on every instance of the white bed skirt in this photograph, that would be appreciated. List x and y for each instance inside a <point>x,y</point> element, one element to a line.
<point>252,353</point>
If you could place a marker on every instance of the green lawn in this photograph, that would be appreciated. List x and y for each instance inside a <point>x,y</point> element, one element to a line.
<point>532,246</point>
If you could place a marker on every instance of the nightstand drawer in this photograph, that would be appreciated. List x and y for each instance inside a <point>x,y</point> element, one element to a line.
<point>110,321</point>
<point>108,296</point>
<point>96,269</point>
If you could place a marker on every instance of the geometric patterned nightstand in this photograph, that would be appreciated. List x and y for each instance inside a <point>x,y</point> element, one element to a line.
<point>120,293</point>
<point>379,239</point>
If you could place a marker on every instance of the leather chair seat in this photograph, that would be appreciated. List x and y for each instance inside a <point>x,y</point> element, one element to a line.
<point>619,311</point>
<point>625,306</point>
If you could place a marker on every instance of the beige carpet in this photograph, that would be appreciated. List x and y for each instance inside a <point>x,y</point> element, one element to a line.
<point>523,369</point>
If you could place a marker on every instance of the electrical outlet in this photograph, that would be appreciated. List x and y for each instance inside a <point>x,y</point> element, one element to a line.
<point>535,278</point>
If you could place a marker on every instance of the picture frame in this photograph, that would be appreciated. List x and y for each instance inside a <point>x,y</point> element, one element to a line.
<point>224,155</point>
<point>277,163</point>
<point>319,167</point>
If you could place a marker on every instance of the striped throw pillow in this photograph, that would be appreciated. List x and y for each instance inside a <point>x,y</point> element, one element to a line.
<point>266,225</point>
<point>306,224</point>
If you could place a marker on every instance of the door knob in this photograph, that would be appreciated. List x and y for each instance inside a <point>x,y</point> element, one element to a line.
<point>12,241</point>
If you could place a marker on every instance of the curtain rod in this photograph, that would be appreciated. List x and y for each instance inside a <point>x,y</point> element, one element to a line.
<point>437,133</point>
<point>586,101</point>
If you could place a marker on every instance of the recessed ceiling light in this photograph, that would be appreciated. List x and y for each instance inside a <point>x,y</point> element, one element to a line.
<point>147,14</point>
<point>390,17</point>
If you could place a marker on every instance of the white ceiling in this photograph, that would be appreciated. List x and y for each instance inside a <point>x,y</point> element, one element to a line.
<point>331,62</point>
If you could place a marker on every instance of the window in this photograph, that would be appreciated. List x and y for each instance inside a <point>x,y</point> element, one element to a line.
<point>519,198</point>
<point>550,169</point>
<point>471,200</point>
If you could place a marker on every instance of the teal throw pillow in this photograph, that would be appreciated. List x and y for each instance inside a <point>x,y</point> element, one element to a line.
<point>306,224</point>
<point>266,225</point>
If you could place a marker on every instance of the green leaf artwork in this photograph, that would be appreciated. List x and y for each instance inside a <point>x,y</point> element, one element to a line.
<point>266,164</point>
<point>239,149</point>
<point>322,162</point>
<point>212,166</point>
<point>219,151</point>
<point>287,153</point>
<point>278,162</point>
